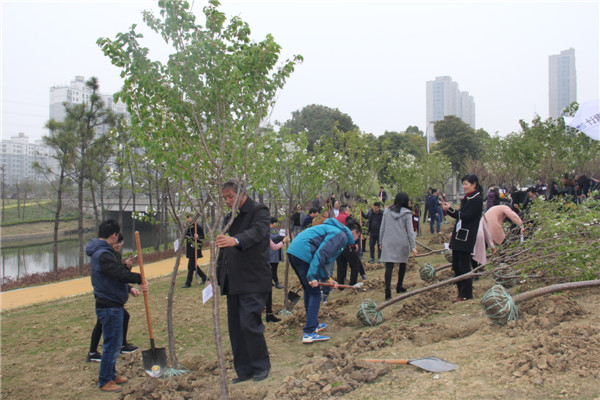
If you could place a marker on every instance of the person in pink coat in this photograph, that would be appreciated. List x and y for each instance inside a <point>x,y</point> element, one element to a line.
<point>494,218</point>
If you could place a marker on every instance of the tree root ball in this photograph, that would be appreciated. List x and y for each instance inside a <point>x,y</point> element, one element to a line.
<point>499,305</point>
<point>368,314</point>
<point>427,272</point>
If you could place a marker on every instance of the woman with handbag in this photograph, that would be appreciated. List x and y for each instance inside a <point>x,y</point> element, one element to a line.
<point>464,234</point>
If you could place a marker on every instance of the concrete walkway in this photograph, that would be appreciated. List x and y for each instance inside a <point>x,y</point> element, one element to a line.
<point>74,287</point>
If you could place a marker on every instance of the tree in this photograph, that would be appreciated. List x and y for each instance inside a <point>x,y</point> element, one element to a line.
<point>62,141</point>
<point>198,115</point>
<point>458,141</point>
<point>319,122</point>
<point>85,119</point>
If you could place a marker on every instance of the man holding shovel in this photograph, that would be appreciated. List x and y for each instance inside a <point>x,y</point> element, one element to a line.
<point>308,253</point>
<point>110,280</point>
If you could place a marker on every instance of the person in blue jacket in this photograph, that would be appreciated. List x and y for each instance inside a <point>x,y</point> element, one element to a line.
<point>110,280</point>
<point>308,253</point>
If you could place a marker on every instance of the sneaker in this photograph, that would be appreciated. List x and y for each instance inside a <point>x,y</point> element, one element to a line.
<point>128,348</point>
<point>325,299</point>
<point>95,356</point>
<point>320,327</point>
<point>313,337</point>
<point>279,285</point>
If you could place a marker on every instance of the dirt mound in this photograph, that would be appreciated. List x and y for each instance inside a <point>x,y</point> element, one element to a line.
<point>334,374</point>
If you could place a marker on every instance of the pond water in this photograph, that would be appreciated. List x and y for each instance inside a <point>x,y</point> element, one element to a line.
<point>20,260</point>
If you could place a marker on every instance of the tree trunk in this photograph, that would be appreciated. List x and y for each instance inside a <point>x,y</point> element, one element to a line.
<point>61,181</point>
<point>80,219</point>
<point>555,288</point>
<point>95,204</point>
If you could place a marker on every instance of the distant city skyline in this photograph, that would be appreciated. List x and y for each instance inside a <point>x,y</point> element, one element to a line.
<point>371,60</point>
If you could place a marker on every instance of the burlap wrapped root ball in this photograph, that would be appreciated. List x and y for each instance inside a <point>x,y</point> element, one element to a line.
<point>448,255</point>
<point>427,272</point>
<point>499,305</point>
<point>367,313</point>
<point>505,276</point>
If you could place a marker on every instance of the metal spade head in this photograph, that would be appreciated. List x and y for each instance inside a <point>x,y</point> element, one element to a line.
<point>155,361</point>
<point>433,364</point>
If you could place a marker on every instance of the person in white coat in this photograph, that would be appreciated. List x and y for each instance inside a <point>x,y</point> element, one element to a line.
<point>397,239</point>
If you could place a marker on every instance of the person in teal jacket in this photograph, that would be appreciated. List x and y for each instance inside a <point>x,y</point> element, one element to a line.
<point>308,253</point>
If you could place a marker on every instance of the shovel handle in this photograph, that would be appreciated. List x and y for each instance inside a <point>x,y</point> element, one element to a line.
<point>342,286</point>
<point>141,264</point>
<point>377,360</point>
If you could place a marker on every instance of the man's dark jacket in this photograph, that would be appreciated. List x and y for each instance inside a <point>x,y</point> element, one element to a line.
<point>245,268</point>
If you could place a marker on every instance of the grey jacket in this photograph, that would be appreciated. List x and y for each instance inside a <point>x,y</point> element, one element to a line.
<point>396,236</point>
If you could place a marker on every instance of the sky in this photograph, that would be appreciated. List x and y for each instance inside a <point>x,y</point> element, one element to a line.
<point>369,59</point>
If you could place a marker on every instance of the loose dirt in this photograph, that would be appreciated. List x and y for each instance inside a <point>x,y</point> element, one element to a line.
<point>551,352</point>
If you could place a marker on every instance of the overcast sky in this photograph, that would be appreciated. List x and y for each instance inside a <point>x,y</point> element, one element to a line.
<point>369,59</point>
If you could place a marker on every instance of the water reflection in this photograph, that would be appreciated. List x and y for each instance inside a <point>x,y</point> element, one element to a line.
<point>21,260</point>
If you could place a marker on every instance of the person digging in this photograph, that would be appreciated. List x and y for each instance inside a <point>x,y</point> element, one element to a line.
<point>308,253</point>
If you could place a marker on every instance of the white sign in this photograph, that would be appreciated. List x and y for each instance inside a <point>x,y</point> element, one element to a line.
<point>176,245</point>
<point>207,293</point>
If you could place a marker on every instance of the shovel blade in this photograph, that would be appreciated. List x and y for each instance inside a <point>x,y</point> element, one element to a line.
<point>155,361</point>
<point>433,364</point>
<point>293,297</point>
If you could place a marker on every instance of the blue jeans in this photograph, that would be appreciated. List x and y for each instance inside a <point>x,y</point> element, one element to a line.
<point>112,330</point>
<point>436,218</point>
<point>312,295</point>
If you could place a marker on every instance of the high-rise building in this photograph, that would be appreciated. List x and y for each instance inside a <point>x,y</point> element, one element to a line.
<point>562,81</point>
<point>18,157</point>
<point>76,93</point>
<point>444,98</point>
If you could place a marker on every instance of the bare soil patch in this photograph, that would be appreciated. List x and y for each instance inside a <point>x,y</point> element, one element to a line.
<point>551,352</point>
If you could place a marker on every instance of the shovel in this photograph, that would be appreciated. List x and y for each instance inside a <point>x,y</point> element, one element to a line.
<point>431,364</point>
<point>155,359</point>
<point>355,286</point>
<point>294,297</point>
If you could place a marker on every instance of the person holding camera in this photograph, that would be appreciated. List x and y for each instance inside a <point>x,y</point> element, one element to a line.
<point>464,234</point>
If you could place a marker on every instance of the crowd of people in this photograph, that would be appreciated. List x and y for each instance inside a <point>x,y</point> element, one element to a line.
<point>328,234</point>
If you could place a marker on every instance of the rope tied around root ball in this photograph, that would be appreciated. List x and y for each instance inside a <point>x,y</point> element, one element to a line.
<point>368,313</point>
<point>499,306</point>
<point>427,272</point>
<point>505,276</point>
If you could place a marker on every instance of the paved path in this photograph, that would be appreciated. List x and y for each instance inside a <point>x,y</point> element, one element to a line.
<point>52,291</point>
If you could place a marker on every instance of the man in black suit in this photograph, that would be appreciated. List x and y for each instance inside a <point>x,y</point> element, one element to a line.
<point>244,275</point>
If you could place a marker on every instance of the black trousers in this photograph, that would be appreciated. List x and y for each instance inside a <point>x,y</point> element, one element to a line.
<point>389,269</point>
<point>461,264</point>
<point>274,272</point>
<point>190,275</point>
<point>246,333</point>
<point>373,241</point>
<point>348,257</point>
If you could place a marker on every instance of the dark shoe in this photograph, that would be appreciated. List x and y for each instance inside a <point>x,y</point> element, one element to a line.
<point>459,299</point>
<point>111,386</point>
<point>388,294</point>
<point>279,285</point>
<point>128,348</point>
<point>400,290</point>
<point>364,276</point>
<point>95,356</point>
<point>372,260</point>
<point>271,318</point>
<point>187,285</point>
<point>241,378</point>
<point>120,379</point>
<point>261,376</point>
